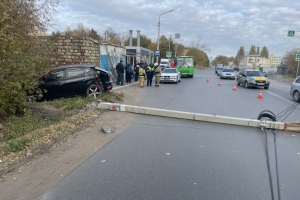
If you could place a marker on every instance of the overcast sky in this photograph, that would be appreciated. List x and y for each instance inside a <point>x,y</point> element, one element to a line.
<point>223,25</point>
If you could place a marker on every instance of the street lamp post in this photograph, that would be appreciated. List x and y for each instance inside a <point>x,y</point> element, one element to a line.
<point>159,31</point>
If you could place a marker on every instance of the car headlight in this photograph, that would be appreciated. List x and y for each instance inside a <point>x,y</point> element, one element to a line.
<point>252,79</point>
<point>267,80</point>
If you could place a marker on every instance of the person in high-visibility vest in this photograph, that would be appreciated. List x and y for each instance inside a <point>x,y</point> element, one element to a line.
<point>157,72</point>
<point>150,71</point>
<point>142,75</point>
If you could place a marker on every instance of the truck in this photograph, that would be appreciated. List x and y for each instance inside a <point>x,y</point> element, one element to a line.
<point>164,62</point>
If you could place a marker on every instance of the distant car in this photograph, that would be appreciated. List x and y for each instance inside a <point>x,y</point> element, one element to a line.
<point>73,80</point>
<point>295,89</point>
<point>170,75</point>
<point>219,70</point>
<point>227,73</point>
<point>252,78</point>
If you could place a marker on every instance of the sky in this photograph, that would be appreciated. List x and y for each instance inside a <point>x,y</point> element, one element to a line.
<point>224,26</point>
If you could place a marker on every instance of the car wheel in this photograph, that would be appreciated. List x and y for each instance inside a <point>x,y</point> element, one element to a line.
<point>192,76</point>
<point>266,87</point>
<point>296,96</point>
<point>176,81</point>
<point>238,84</point>
<point>93,91</point>
<point>266,117</point>
<point>246,85</point>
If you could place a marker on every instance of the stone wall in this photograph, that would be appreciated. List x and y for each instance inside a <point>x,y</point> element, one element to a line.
<point>71,50</point>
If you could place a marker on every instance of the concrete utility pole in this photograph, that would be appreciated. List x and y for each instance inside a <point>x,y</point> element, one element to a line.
<point>158,32</point>
<point>257,50</point>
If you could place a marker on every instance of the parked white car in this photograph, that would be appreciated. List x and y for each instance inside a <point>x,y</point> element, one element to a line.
<point>170,75</point>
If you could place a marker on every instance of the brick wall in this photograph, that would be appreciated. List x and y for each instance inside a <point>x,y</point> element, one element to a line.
<point>75,50</point>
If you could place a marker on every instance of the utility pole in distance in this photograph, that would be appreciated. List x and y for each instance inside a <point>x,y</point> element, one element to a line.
<point>257,50</point>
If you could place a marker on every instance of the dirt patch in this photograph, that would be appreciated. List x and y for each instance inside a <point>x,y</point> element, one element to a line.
<point>47,163</point>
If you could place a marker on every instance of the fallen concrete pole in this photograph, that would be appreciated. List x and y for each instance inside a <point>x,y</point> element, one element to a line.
<point>191,116</point>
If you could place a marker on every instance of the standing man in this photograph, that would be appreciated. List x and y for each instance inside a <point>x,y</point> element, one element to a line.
<point>128,72</point>
<point>142,75</point>
<point>157,72</point>
<point>120,71</point>
<point>150,71</point>
<point>136,70</point>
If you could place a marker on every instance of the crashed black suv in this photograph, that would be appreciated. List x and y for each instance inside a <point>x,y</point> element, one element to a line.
<point>75,80</point>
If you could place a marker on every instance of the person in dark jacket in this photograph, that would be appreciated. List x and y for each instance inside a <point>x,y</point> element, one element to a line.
<point>128,72</point>
<point>120,72</point>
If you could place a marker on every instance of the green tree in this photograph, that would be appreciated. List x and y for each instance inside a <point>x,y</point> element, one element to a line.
<point>94,35</point>
<point>23,56</point>
<point>264,52</point>
<point>200,57</point>
<point>198,51</point>
<point>289,58</point>
<point>220,59</point>
<point>179,48</point>
<point>252,50</point>
<point>240,54</point>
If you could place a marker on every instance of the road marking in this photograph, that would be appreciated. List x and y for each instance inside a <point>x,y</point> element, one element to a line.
<point>201,76</point>
<point>280,97</point>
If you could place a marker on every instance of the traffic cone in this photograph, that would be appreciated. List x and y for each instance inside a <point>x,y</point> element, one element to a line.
<point>207,79</point>
<point>219,84</point>
<point>234,86</point>
<point>260,94</point>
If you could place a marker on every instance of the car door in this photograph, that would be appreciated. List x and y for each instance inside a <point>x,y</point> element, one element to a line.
<point>75,81</point>
<point>54,84</point>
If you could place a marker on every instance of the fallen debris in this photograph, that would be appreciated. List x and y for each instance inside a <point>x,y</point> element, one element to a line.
<point>109,130</point>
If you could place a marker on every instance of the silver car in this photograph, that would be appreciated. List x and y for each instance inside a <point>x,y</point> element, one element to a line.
<point>227,73</point>
<point>219,71</point>
<point>295,89</point>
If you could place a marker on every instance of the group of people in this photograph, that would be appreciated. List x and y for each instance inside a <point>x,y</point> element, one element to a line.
<point>141,72</point>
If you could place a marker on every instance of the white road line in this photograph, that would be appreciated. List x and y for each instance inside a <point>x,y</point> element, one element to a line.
<point>280,97</point>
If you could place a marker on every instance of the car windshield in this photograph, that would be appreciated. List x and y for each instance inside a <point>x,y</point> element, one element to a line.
<point>254,73</point>
<point>220,68</point>
<point>169,70</point>
<point>227,70</point>
<point>185,62</point>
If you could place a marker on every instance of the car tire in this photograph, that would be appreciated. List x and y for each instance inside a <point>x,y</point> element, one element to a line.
<point>246,85</point>
<point>266,87</point>
<point>176,81</point>
<point>93,90</point>
<point>296,96</point>
<point>267,116</point>
<point>238,84</point>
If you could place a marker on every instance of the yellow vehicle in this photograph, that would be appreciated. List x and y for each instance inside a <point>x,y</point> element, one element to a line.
<point>252,78</point>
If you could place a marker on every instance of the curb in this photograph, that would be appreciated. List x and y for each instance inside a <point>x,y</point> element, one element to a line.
<point>120,87</point>
<point>191,116</point>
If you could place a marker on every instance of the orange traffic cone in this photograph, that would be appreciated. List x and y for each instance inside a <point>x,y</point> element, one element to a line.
<point>207,79</point>
<point>219,84</point>
<point>260,94</point>
<point>234,86</point>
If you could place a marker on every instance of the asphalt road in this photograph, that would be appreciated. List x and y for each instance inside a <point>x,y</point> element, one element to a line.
<point>164,158</point>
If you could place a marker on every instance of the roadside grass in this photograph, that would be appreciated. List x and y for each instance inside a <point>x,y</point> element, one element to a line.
<point>21,132</point>
<point>288,77</point>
